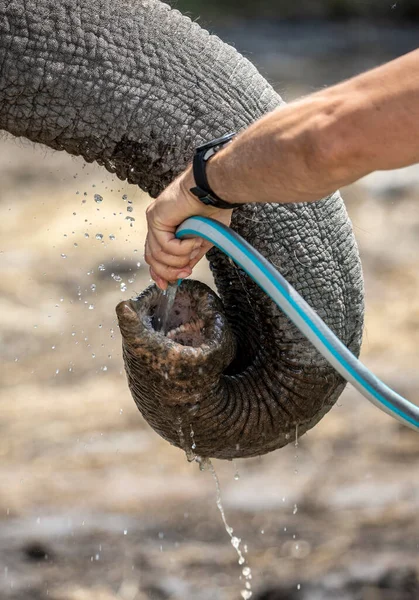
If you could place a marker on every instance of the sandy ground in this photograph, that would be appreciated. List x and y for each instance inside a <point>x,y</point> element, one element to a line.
<point>95,506</point>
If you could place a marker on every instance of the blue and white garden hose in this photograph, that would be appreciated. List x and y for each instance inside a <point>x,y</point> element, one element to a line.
<point>303,316</point>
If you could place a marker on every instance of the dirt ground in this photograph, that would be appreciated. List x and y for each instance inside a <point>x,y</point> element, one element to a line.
<point>95,506</point>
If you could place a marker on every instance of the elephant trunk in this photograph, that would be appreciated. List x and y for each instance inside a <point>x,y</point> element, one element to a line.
<point>134,86</point>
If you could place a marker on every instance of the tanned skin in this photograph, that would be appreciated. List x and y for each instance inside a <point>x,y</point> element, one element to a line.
<point>297,153</point>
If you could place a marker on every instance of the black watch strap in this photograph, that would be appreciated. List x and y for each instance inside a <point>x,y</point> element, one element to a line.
<point>202,190</point>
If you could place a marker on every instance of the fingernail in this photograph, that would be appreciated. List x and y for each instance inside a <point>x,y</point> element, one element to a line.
<point>161,283</point>
<point>194,254</point>
<point>183,274</point>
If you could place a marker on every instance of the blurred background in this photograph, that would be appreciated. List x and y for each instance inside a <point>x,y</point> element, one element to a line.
<point>93,504</point>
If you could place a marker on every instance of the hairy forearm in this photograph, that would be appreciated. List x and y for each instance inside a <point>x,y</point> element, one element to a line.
<point>313,146</point>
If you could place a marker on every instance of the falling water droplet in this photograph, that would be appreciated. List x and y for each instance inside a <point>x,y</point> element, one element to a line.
<point>99,236</point>
<point>91,306</point>
<point>193,445</point>
<point>98,198</point>
<point>123,287</point>
<point>130,208</point>
<point>102,268</point>
<point>111,236</point>
<point>236,471</point>
<point>63,255</point>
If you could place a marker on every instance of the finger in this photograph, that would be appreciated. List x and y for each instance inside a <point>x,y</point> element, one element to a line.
<point>166,272</point>
<point>171,260</point>
<point>165,236</point>
<point>161,283</point>
<point>199,253</point>
<point>173,245</point>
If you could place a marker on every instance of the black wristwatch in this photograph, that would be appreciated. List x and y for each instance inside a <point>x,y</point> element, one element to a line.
<point>202,190</point>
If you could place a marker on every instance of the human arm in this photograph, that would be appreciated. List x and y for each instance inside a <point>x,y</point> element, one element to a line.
<point>297,153</point>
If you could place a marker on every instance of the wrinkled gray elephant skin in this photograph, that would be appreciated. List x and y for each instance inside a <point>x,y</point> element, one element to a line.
<point>135,86</point>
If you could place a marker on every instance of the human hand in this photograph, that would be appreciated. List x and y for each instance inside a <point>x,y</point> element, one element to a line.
<point>170,258</point>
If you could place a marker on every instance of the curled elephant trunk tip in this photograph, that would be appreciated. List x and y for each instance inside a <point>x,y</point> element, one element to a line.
<point>176,368</point>
<point>126,312</point>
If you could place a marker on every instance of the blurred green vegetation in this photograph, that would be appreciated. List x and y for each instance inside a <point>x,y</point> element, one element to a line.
<point>222,10</point>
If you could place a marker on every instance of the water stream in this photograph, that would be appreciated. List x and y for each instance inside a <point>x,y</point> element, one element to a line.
<point>164,307</point>
<point>246,593</point>
<point>205,464</point>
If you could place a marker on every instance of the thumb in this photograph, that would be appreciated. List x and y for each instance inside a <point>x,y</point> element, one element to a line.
<point>199,253</point>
